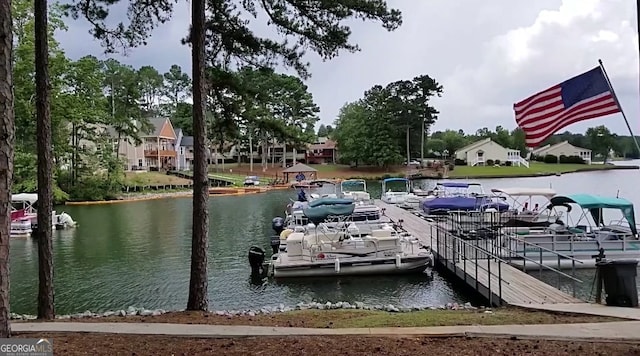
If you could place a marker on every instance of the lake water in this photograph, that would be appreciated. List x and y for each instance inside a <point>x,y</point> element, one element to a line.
<point>138,254</point>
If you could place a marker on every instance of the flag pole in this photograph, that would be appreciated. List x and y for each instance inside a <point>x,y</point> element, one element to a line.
<point>615,97</point>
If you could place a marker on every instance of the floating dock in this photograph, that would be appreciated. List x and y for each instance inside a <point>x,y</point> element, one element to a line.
<point>477,265</point>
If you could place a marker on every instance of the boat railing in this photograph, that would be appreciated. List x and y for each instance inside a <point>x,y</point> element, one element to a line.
<point>468,257</point>
<point>507,246</point>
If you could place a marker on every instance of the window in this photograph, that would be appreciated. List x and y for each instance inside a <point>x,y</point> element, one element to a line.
<point>140,163</point>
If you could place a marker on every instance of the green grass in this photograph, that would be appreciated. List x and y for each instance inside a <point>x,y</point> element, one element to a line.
<point>513,171</point>
<point>152,179</point>
<point>238,179</point>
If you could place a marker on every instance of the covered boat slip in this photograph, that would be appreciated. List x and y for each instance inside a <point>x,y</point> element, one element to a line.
<point>478,263</point>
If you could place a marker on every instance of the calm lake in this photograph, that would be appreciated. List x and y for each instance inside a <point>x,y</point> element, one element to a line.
<point>137,254</point>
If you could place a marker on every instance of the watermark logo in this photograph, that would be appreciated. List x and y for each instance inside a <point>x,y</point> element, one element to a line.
<point>26,347</point>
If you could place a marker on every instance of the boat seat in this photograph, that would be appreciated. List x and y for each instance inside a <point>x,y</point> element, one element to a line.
<point>381,233</point>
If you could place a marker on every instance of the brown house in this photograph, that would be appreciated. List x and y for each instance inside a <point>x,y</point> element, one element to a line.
<point>322,152</point>
<point>157,151</point>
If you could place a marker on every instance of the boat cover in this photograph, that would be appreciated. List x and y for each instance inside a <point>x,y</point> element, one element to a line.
<point>462,203</point>
<point>330,201</point>
<point>320,213</point>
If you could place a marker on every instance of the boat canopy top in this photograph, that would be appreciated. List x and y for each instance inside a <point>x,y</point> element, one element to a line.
<point>519,192</point>
<point>595,204</point>
<point>31,198</point>
<point>456,184</point>
<point>353,182</point>
<point>387,180</point>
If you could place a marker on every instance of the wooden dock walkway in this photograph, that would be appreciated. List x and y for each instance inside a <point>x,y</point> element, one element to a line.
<point>476,265</point>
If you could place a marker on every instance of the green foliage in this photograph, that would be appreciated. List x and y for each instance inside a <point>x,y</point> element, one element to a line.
<point>550,159</point>
<point>373,130</point>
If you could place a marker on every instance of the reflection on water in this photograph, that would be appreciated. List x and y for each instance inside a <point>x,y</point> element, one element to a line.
<point>138,254</point>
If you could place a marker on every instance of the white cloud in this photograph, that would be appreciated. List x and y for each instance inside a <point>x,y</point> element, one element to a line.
<point>487,54</point>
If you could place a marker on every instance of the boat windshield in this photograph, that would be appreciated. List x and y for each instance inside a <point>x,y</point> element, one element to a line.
<point>458,189</point>
<point>353,186</point>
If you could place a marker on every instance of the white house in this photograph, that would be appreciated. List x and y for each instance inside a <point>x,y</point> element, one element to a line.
<point>479,152</point>
<point>564,148</point>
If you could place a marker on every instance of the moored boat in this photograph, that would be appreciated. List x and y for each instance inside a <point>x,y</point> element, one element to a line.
<point>347,249</point>
<point>396,190</point>
<point>581,240</point>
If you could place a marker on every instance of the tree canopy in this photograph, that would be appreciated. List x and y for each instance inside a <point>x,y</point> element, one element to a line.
<point>386,122</point>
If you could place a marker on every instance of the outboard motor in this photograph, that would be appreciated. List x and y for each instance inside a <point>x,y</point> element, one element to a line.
<point>277,224</point>
<point>256,259</point>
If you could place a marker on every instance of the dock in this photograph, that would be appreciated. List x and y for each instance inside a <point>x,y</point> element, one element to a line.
<point>477,264</point>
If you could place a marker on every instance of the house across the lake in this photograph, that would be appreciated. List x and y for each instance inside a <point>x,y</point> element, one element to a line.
<point>480,152</point>
<point>321,152</point>
<point>563,148</point>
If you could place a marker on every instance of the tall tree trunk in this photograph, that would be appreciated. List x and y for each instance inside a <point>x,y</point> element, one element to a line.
<point>44,149</point>
<point>198,283</point>
<point>408,151</point>
<point>7,137</point>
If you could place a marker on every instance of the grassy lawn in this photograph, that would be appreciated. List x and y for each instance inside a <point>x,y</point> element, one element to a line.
<point>238,179</point>
<point>153,178</point>
<point>534,168</point>
<point>342,318</point>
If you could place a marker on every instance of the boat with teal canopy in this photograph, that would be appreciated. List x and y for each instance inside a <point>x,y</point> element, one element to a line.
<point>320,209</point>
<point>596,204</point>
<point>569,241</point>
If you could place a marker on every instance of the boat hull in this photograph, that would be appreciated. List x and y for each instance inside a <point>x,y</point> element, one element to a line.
<point>408,265</point>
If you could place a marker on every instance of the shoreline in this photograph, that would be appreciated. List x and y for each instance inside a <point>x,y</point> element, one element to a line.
<point>213,192</point>
<point>540,174</point>
<point>235,191</point>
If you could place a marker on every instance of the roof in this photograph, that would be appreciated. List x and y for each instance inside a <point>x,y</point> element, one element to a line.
<point>528,192</point>
<point>326,145</point>
<point>187,141</point>
<point>560,144</point>
<point>299,168</point>
<point>157,123</point>
<point>472,145</point>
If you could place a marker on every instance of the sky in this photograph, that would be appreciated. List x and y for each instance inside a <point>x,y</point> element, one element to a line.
<point>486,54</point>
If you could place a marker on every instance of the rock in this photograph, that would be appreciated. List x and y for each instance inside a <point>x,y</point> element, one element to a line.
<point>392,308</point>
<point>122,313</point>
<point>156,312</point>
<point>359,305</point>
<point>146,312</point>
<point>338,305</point>
<point>488,312</point>
<point>63,317</point>
<point>327,305</point>
<point>346,305</point>
<point>405,310</point>
<point>108,314</point>
<point>131,310</point>
<point>251,313</point>
<point>287,309</point>
<point>87,314</point>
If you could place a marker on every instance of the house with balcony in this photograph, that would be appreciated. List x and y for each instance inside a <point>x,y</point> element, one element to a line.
<point>483,151</point>
<point>184,151</point>
<point>322,152</point>
<point>156,152</point>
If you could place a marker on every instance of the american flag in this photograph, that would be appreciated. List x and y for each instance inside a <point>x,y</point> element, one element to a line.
<point>583,97</point>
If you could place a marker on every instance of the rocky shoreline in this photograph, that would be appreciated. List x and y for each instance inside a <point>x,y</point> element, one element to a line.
<point>281,308</point>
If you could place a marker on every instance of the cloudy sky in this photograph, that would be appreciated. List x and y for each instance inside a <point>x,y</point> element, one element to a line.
<point>487,55</point>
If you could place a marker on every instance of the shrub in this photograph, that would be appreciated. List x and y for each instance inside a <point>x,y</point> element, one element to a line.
<point>550,159</point>
<point>489,162</point>
<point>459,162</point>
<point>451,166</point>
<point>571,159</point>
<point>497,162</point>
<point>537,158</point>
<point>508,163</point>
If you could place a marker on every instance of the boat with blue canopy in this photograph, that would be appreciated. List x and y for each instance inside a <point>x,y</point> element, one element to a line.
<point>450,197</point>
<point>581,238</point>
